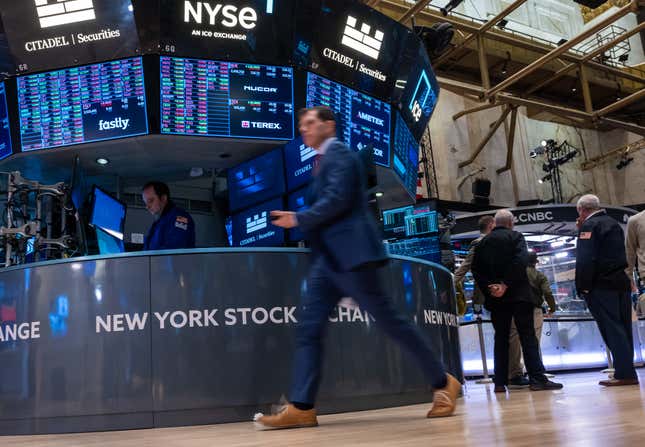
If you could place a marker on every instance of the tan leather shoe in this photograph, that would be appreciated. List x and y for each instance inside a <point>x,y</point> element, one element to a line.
<point>618,382</point>
<point>445,399</point>
<point>288,417</point>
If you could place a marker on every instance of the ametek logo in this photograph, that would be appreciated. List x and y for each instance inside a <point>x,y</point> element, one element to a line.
<point>63,12</point>
<point>256,222</point>
<point>117,123</point>
<point>360,40</point>
<point>371,119</point>
<point>253,88</point>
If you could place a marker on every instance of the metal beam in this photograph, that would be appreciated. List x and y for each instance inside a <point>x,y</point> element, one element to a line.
<point>510,99</point>
<point>586,91</point>
<point>485,27</point>
<point>510,143</point>
<point>483,62</point>
<point>418,6</point>
<point>588,57</point>
<point>631,7</point>
<point>629,148</point>
<point>622,103</point>
<point>456,116</point>
<point>634,128</point>
<point>487,138</point>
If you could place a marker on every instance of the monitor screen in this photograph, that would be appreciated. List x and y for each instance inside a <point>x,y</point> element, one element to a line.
<point>108,244</point>
<point>48,34</point>
<point>394,222</point>
<point>5,131</point>
<point>405,157</point>
<point>299,160</point>
<point>107,213</point>
<point>252,228</point>
<point>296,202</point>
<point>226,99</point>
<point>256,180</point>
<point>426,248</point>
<point>363,121</point>
<point>83,104</point>
<point>421,222</point>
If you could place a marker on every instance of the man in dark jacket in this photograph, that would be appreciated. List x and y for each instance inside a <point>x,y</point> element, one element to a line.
<point>347,254</point>
<point>602,281</point>
<point>499,268</point>
<point>173,227</point>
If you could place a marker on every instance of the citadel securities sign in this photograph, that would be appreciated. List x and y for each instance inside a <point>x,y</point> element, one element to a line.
<point>49,34</point>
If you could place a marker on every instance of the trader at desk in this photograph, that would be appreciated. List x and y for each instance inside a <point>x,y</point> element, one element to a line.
<point>173,227</point>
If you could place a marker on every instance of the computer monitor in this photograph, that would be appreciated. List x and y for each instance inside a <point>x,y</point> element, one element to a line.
<point>108,244</point>
<point>107,213</point>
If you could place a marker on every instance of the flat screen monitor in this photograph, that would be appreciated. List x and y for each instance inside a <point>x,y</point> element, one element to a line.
<point>299,161</point>
<point>5,131</point>
<point>226,99</point>
<point>394,222</point>
<point>296,202</point>
<point>108,244</point>
<point>82,104</point>
<point>256,180</point>
<point>421,222</point>
<point>252,227</point>
<point>426,248</point>
<point>405,156</point>
<point>107,213</point>
<point>363,121</point>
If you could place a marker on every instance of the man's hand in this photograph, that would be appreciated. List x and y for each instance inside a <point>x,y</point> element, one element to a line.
<point>284,219</point>
<point>497,290</point>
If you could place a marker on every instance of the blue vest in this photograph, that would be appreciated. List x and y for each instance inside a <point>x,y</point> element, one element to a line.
<point>175,229</point>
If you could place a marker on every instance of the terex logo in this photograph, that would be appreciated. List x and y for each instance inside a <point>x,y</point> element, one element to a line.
<point>253,88</point>
<point>261,125</point>
<point>63,12</point>
<point>117,123</point>
<point>371,119</point>
<point>229,16</point>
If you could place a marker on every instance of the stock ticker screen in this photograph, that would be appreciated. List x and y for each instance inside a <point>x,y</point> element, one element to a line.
<point>82,104</point>
<point>405,158</point>
<point>226,99</point>
<point>363,121</point>
<point>5,131</point>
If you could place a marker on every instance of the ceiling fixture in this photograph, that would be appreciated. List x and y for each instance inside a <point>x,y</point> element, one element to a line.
<point>545,179</point>
<point>625,161</point>
<point>379,194</point>
<point>452,4</point>
<point>562,41</point>
<point>102,161</point>
<point>502,23</point>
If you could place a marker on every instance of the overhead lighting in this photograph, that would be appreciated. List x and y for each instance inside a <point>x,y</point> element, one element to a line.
<point>546,178</point>
<point>130,8</point>
<point>562,41</point>
<point>502,23</point>
<point>379,194</point>
<point>102,161</point>
<point>624,162</point>
<point>544,143</point>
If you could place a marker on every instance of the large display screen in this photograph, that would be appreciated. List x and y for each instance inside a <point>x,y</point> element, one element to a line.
<point>48,34</point>
<point>364,122</point>
<point>225,99</point>
<point>350,42</point>
<point>252,228</point>
<point>248,30</point>
<point>82,104</point>
<point>394,222</point>
<point>296,202</point>
<point>405,156</point>
<point>256,180</point>
<point>299,160</point>
<point>5,131</point>
<point>107,213</point>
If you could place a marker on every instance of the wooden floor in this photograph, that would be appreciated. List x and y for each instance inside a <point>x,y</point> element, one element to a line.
<point>582,414</point>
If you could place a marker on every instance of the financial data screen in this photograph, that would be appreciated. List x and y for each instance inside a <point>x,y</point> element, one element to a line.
<point>5,131</point>
<point>256,180</point>
<point>405,158</point>
<point>363,121</point>
<point>226,99</point>
<point>82,104</point>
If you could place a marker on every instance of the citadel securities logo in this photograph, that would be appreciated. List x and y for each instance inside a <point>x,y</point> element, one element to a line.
<point>306,153</point>
<point>117,123</point>
<point>63,12</point>
<point>257,222</point>
<point>361,41</point>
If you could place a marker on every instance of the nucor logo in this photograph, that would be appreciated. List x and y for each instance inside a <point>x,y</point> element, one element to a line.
<point>229,16</point>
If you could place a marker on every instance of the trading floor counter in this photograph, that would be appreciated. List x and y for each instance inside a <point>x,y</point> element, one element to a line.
<point>194,337</point>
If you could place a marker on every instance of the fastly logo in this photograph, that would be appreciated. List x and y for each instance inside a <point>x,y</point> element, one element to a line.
<point>361,40</point>
<point>117,123</point>
<point>63,12</point>
<point>256,222</point>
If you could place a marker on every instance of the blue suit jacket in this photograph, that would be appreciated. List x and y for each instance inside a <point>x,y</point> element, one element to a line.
<point>337,222</point>
<point>175,229</point>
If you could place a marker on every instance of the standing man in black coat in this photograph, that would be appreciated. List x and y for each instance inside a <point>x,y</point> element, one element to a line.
<point>499,269</point>
<point>347,254</point>
<point>601,280</point>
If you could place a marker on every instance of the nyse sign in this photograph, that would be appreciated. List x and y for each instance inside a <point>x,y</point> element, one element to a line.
<point>232,22</point>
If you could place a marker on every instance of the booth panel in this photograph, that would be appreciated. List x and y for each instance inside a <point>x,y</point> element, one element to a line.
<point>61,366</point>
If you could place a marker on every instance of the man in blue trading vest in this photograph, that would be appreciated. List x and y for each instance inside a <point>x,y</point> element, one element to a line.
<point>173,227</point>
<point>347,256</point>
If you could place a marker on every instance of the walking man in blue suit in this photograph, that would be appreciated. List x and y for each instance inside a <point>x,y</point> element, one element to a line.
<point>347,254</point>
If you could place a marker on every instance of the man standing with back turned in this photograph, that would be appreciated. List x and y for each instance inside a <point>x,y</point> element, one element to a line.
<point>601,280</point>
<point>346,256</point>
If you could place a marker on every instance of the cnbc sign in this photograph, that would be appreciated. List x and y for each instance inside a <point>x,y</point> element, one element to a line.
<point>222,20</point>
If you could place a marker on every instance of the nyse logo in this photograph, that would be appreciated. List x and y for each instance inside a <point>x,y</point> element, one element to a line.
<point>257,222</point>
<point>253,88</point>
<point>229,16</point>
<point>306,153</point>
<point>361,40</point>
<point>117,123</point>
<point>63,12</point>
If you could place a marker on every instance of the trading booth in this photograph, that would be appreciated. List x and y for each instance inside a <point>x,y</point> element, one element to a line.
<point>95,335</point>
